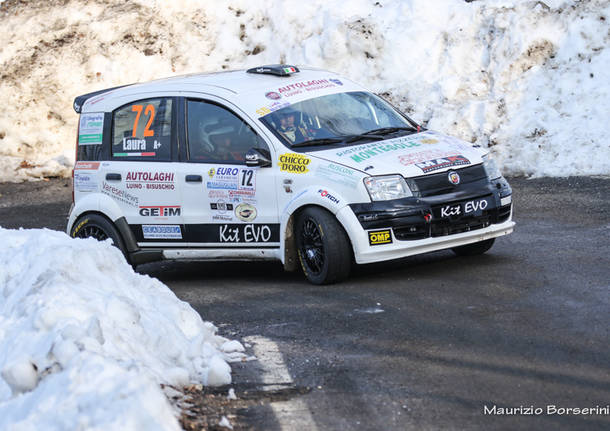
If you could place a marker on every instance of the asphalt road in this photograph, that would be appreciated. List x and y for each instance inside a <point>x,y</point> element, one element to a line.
<point>422,343</point>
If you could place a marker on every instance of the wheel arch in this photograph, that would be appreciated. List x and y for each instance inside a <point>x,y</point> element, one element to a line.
<point>127,236</point>
<point>95,202</point>
<point>288,248</point>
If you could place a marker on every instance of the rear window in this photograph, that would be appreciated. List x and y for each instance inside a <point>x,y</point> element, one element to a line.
<point>143,130</point>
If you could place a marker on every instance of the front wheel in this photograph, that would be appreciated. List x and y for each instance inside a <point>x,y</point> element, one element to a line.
<point>474,249</point>
<point>323,247</point>
<point>98,227</point>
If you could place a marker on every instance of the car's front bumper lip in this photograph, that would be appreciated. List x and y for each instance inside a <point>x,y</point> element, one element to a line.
<point>408,248</point>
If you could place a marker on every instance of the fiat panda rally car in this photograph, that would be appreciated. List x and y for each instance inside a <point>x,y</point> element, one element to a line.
<point>302,166</point>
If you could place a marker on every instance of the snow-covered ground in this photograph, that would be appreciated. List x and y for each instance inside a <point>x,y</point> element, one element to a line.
<point>530,79</point>
<point>85,342</point>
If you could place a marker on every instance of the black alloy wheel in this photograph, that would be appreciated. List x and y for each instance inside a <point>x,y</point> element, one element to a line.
<point>313,247</point>
<point>324,250</point>
<point>92,231</point>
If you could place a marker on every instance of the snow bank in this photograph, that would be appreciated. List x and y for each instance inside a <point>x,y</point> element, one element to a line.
<point>530,79</point>
<point>85,342</point>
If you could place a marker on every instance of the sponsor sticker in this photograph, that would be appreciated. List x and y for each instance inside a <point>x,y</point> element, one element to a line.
<point>422,156</point>
<point>338,174</point>
<point>305,86</point>
<point>264,110</point>
<point>231,233</point>
<point>91,127</point>
<point>234,233</point>
<point>85,181</point>
<point>363,153</point>
<point>160,210</point>
<point>245,212</point>
<point>466,208</point>
<point>443,162</point>
<point>87,166</point>
<point>241,180</point>
<point>150,180</point>
<point>325,194</point>
<point>294,163</point>
<point>380,237</point>
<point>273,95</point>
<point>221,206</point>
<point>222,217</point>
<point>119,194</point>
<point>159,231</point>
<point>220,209</point>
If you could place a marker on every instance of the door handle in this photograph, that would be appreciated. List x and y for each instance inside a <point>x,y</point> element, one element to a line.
<point>194,179</point>
<point>113,177</point>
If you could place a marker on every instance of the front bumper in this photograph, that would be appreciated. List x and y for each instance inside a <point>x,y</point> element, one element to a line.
<point>415,225</point>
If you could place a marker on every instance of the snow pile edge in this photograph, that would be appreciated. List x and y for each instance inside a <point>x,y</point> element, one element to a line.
<point>85,342</point>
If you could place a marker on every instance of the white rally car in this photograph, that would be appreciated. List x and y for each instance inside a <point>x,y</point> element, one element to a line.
<point>276,163</point>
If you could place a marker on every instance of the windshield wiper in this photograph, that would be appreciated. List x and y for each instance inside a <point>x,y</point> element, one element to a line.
<point>319,141</point>
<point>353,138</point>
<point>376,134</point>
<point>388,130</point>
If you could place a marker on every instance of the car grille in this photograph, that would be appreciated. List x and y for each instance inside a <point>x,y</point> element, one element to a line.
<point>438,184</point>
<point>444,227</point>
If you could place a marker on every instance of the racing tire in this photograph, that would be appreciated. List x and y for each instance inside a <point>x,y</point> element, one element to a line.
<point>474,249</point>
<point>100,228</point>
<point>323,247</point>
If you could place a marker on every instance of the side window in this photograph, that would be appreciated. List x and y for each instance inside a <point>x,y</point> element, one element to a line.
<point>215,134</point>
<point>92,139</point>
<point>143,130</point>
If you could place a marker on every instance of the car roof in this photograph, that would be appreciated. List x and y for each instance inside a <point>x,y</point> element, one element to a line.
<point>230,85</point>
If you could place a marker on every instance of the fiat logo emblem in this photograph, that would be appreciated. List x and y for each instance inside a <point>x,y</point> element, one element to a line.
<point>453,178</point>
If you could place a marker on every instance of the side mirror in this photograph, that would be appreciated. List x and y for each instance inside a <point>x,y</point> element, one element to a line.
<point>258,157</point>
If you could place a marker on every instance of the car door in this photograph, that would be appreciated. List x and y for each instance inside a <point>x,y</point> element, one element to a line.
<point>225,202</point>
<point>141,176</point>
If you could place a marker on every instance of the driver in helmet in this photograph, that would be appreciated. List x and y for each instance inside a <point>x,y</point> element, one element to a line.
<point>291,131</point>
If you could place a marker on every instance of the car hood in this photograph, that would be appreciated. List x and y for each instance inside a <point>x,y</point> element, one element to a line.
<point>410,156</point>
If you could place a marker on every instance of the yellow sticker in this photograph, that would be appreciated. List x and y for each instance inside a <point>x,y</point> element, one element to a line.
<point>379,237</point>
<point>294,163</point>
<point>429,141</point>
<point>263,111</point>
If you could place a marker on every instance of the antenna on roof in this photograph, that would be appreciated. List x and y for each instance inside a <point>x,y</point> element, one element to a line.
<point>274,69</point>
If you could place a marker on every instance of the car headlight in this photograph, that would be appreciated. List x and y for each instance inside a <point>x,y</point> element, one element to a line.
<point>491,168</point>
<point>387,187</point>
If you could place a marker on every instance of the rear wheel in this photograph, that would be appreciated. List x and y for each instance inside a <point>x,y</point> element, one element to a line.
<point>323,247</point>
<point>100,228</point>
<point>474,249</point>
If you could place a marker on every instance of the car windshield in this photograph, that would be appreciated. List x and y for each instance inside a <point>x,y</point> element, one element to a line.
<point>337,119</point>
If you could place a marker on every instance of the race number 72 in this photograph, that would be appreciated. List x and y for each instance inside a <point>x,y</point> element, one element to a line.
<point>150,112</point>
<point>246,178</point>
